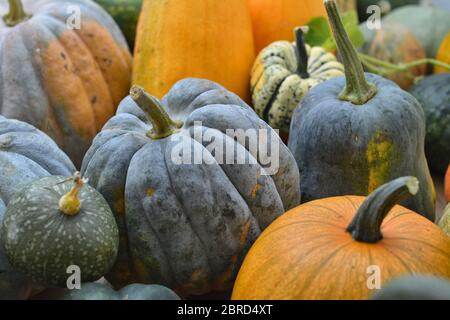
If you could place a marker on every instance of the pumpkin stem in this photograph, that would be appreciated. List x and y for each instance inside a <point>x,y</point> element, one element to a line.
<point>366,225</point>
<point>16,13</point>
<point>70,204</point>
<point>302,55</point>
<point>357,90</point>
<point>163,125</point>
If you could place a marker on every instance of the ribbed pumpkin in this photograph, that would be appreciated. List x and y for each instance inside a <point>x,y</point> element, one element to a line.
<point>55,223</point>
<point>282,75</point>
<point>186,224</point>
<point>26,154</point>
<point>397,44</point>
<point>274,20</point>
<point>97,291</point>
<point>177,39</point>
<point>325,249</point>
<point>352,134</point>
<point>65,82</point>
<point>443,54</point>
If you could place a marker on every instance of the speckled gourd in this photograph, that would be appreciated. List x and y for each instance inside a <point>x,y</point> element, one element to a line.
<point>65,81</point>
<point>283,74</point>
<point>352,134</point>
<point>97,291</point>
<point>55,223</point>
<point>186,225</point>
<point>26,154</point>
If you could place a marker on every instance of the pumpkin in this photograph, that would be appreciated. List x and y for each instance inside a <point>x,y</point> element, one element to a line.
<point>447,185</point>
<point>396,44</point>
<point>352,134</point>
<point>282,75</point>
<point>444,223</point>
<point>63,81</point>
<point>55,223</point>
<point>97,291</point>
<point>443,54</point>
<point>184,38</point>
<point>274,20</point>
<point>417,19</point>
<point>433,93</point>
<point>26,154</point>
<point>385,5</point>
<point>415,287</point>
<point>325,249</point>
<point>126,14</point>
<point>186,224</point>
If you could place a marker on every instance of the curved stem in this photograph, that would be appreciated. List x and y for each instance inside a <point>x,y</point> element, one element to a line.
<point>301,52</point>
<point>16,13</point>
<point>163,125</point>
<point>366,225</point>
<point>70,204</point>
<point>357,89</point>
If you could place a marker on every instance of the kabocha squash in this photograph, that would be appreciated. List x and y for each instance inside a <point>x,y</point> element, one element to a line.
<point>324,249</point>
<point>352,134</point>
<point>26,154</point>
<point>416,287</point>
<point>187,223</point>
<point>126,14</point>
<point>274,20</point>
<point>55,223</point>
<point>184,38</point>
<point>282,75</point>
<point>63,81</point>
<point>444,223</point>
<point>97,291</point>
<point>433,93</point>
<point>443,54</point>
<point>396,44</point>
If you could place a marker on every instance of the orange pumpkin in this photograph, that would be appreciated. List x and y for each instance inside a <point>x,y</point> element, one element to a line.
<point>447,185</point>
<point>443,54</point>
<point>335,248</point>
<point>274,20</point>
<point>177,39</point>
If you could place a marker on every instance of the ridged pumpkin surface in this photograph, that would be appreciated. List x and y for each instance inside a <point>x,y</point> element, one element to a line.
<point>276,86</point>
<point>177,39</point>
<point>443,54</point>
<point>65,82</point>
<point>274,20</point>
<point>307,253</point>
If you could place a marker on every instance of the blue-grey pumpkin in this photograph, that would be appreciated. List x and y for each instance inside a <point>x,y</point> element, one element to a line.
<point>97,291</point>
<point>352,134</point>
<point>26,154</point>
<point>187,226</point>
<point>54,227</point>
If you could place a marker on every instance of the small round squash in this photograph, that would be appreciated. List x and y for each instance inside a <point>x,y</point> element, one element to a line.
<point>282,75</point>
<point>54,223</point>
<point>323,249</point>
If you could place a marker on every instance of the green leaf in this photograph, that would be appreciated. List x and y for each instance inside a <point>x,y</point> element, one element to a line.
<point>320,34</point>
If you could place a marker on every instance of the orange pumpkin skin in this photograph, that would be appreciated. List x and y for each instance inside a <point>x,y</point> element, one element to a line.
<point>274,20</point>
<point>307,254</point>
<point>447,185</point>
<point>177,39</point>
<point>443,54</point>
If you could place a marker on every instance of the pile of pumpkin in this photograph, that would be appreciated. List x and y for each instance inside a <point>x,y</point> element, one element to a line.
<point>353,190</point>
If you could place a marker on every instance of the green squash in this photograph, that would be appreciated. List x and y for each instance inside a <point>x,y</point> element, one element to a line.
<point>282,75</point>
<point>97,291</point>
<point>385,5</point>
<point>126,14</point>
<point>26,154</point>
<point>444,223</point>
<point>184,224</point>
<point>54,223</point>
<point>433,93</point>
<point>415,287</point>
<point>352,134</point>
